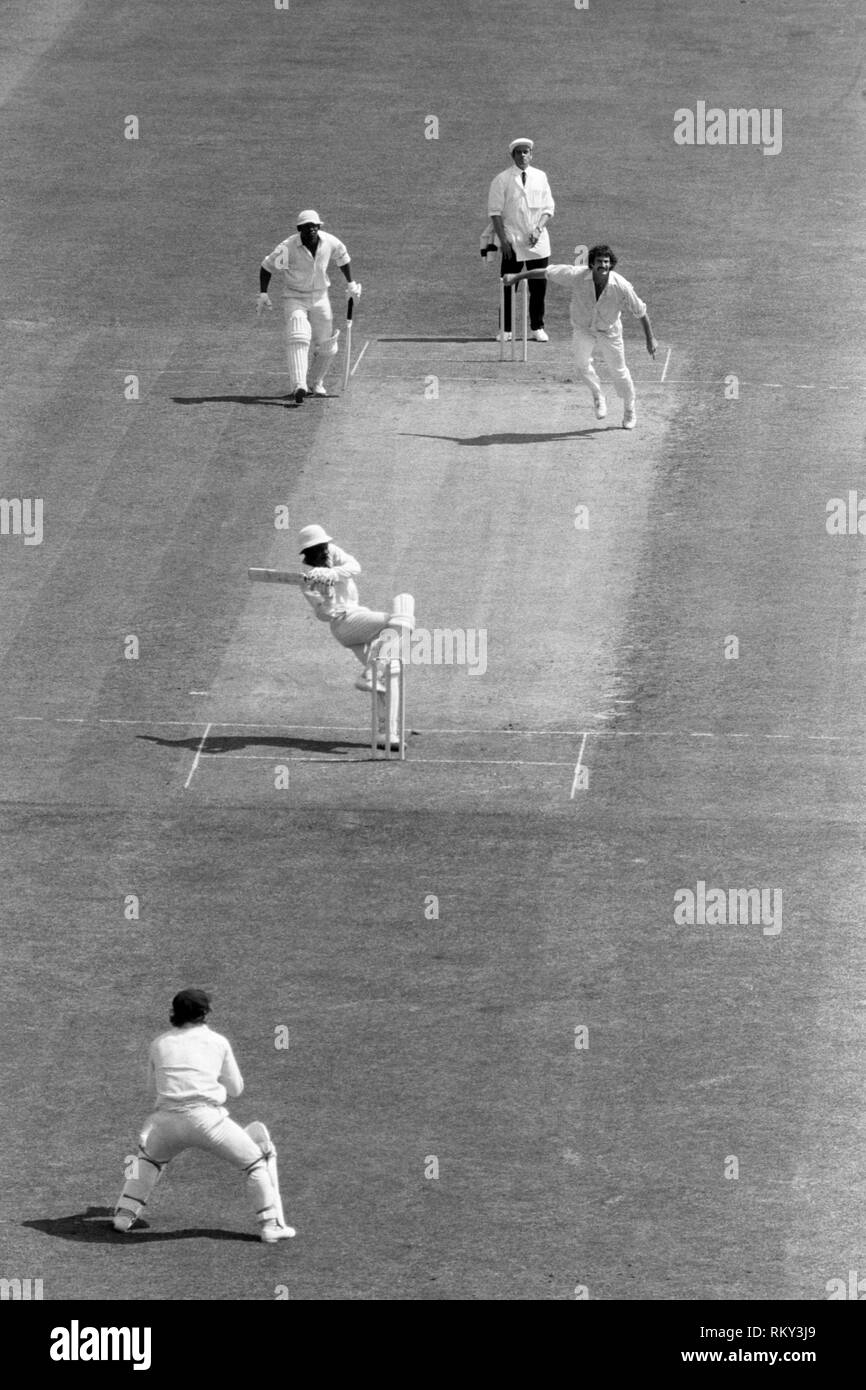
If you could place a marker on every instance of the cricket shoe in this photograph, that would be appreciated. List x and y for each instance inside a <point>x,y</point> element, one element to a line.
<point>299,393</point>
<point>124,1221</point>
<point>629,419</point>
<point>272,1231</point>
<point>503,337</point>
<point>318,389</point>
<point>365,683</point>
<point>600,407</point>
<point>540,336</point>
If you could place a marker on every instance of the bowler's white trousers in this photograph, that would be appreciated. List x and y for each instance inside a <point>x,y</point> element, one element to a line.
<point>612,353</point>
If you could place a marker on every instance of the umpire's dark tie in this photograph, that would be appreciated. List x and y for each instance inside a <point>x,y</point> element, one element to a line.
<point>523,176</point>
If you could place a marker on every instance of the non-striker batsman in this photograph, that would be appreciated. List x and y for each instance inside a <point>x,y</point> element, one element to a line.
<point>302,260</point>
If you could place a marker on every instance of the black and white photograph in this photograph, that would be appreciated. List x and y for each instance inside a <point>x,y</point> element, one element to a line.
<point>432,741</point>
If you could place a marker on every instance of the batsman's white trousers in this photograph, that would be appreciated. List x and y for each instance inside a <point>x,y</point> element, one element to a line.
<point>612,353</point>
<point>317,309</point>
<point>357,629</point>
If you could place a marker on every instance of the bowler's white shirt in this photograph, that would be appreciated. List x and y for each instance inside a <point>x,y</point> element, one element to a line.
<point>302,272</point>
<point>521,207</point>
<point>193,1065</point>
<point>340,597</point>
<point>600,315</point>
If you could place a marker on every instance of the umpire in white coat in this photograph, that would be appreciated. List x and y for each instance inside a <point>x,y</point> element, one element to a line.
<point>520,205</point>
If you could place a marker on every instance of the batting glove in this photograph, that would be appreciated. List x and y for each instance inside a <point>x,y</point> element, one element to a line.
<point>320,575</point>
<point>263,302</point>
<point>353,289</point>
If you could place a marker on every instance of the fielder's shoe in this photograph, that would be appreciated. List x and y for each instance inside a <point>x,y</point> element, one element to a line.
<point>272,1231</point>
<point>629,419</point>
<point>600,407</point>
<point>123,1221</point>
<point>540,336</point>
<point>299,393</point>
<point>318,389</point>
<point>365,683</point>
<point>503,337</point>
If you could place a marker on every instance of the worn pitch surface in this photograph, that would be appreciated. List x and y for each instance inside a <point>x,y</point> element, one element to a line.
<point>553,803</point>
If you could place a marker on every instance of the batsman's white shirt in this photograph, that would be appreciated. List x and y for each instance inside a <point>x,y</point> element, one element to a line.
<point>193,1065</point>
<point>340,597</point>
<point>520,206</point>
<point>304,274</point>
<point>602,315</point>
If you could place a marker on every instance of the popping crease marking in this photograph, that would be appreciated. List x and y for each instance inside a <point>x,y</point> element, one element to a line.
<point>197,758</point>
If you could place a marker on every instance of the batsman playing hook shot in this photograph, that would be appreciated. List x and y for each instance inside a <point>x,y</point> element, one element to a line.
<point>330,589</point>
<point>193,1070</point>
<point>302,260</point>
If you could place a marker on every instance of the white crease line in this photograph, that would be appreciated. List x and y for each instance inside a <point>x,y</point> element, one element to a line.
<point>577,769</point>
<point>339,762</point>
<point>360,355</point>
<point>667,363</point>
<point>195,760</point>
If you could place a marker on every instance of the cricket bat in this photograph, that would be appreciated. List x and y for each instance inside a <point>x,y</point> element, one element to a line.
<point>350,309</point>
<point>263,576</point>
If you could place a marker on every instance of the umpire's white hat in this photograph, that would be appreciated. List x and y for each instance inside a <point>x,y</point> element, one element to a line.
<point>308,215</point>
<point>312,535</point>
<point>530,145</point>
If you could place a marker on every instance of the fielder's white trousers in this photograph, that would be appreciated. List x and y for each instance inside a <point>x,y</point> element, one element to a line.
<point>612,353</point>
<point>166,1133</point>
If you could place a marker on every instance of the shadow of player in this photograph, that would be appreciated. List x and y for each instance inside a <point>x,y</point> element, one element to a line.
<point>93,1227</point>
<point>229,743</point>
<point>287,402</point>
<point>483,440</point>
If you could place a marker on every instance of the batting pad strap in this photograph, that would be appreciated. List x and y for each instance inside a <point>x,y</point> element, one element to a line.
<point>142,1153</point>
<point>257,1163</point>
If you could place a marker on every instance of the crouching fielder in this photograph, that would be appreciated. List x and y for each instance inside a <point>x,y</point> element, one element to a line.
<point>303,261</point>
<point>598,297</point>
<point>329,588</point>
<point>192,1070</point>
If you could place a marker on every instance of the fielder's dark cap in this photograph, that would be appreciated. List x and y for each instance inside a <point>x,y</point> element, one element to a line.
<point>189,1004</point>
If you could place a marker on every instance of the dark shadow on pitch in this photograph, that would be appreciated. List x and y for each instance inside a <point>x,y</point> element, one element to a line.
<point>93,1227</point>
<point>286,402</point>
<point>231,743</point>
<point>483,440</point>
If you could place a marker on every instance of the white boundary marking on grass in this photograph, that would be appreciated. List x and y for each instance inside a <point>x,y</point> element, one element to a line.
<point>195,761</point>
<point>667,363</point>
<point>577,769</point>
<point>360,355</point>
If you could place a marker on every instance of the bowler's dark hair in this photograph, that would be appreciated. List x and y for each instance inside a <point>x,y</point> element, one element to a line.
<point>596,251</point>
